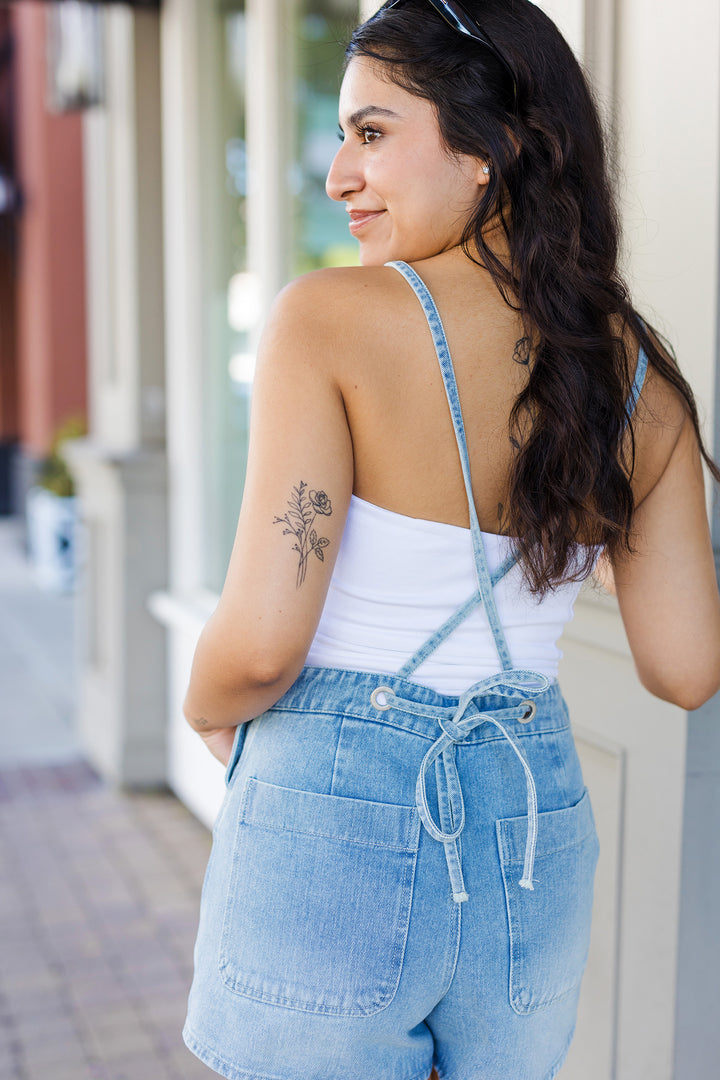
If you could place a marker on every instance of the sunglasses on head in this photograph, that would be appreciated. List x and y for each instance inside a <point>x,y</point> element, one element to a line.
<point>457,18</point>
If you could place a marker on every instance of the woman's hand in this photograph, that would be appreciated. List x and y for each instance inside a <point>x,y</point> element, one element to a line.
<point>220,743</point>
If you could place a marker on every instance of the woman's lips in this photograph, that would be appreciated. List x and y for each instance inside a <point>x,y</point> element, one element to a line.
<point>360,218</point>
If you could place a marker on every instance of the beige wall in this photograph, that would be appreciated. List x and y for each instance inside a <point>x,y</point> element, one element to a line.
<point>668,93</point>
<point>638,752</point>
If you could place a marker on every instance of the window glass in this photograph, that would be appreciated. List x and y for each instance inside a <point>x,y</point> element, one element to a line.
<point>314,34</point>
<point>225,363</point>
<point>321,236</point>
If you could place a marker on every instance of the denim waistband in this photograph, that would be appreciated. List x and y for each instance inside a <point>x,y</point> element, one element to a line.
<point>340,691</point>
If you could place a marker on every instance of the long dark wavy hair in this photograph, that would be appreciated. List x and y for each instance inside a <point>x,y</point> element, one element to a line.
<point>550,191</point>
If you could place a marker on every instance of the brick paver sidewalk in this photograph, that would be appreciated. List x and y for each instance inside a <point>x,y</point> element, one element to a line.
<point>99,895</point>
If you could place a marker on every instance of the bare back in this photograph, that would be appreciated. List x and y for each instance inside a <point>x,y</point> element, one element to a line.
<point>405,454</point>
<point>404,450</point>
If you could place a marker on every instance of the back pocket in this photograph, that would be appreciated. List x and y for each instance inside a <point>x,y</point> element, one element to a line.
<point>550,924</point>
<point>319,900</point>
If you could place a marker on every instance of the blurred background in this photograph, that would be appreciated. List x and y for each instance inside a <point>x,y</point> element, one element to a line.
<point>162,170</point>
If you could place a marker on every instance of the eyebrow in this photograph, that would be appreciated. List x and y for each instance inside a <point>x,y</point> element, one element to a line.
<point>370,110</point>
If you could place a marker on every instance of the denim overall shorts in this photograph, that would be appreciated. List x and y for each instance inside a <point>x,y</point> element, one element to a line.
<point>399,878</point>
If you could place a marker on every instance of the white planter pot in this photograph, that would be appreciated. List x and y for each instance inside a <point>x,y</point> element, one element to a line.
<point>51,526</point>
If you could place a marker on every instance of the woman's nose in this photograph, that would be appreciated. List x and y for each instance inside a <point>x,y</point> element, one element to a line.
<point>344,177</point>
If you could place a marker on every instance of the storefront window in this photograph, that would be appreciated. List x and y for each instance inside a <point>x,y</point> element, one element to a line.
<point>313,34</point>
<point>321,236</point>
<point>227,374</point>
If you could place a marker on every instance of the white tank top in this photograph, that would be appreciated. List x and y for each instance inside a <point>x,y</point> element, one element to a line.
<point>376,616</point>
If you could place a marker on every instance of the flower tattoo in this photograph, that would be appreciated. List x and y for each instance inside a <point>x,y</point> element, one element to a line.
<point>320,503</point>
<point>304,508</point>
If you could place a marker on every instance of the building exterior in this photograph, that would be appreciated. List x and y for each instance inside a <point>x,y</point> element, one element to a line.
<point>203,179</point>
<point>43,346</point>
<point>9,419</point>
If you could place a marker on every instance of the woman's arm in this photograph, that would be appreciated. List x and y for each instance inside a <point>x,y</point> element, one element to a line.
<point>297,491</point>
<point>667,590</point>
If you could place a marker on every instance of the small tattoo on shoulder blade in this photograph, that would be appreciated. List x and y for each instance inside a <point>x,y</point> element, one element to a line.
<point>299,520</point>
<point>521,353</point>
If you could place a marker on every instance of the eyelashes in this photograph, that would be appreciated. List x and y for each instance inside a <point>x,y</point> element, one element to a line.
<point>367,133</point>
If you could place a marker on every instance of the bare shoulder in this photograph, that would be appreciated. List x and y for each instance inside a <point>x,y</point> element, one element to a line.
<point>323,321</point>
<point>324,297</point>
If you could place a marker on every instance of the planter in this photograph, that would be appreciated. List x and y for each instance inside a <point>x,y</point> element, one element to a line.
<point>51,530</point>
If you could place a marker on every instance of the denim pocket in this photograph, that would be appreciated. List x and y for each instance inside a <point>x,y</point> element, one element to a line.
<point>550,924</point>
<point>237,749</point>
<point>319,900</point>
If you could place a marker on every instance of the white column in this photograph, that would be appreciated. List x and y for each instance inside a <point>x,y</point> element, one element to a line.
<point>124,238</point>
<point>269,146</point>
<point>187,59</point>
<point>181,98</point>
<point>120,468</point>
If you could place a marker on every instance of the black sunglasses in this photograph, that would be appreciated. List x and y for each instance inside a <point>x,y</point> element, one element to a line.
<point>457,18</point>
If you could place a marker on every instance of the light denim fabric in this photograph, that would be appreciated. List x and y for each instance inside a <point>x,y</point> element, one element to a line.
<point>330,945</point>
<point>399,878</point>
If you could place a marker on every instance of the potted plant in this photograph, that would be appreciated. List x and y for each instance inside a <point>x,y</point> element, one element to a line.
<point>51,514</point>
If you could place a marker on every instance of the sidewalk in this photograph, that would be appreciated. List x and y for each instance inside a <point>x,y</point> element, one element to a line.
<point>99,890</point>
<point>36,662</point>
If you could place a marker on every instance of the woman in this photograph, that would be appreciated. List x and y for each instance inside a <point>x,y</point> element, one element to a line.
<point>402,869</point>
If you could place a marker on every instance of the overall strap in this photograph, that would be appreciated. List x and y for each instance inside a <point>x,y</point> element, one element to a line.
<point>453,621</point>
<point>485,587</point>
<point>458,616</point>
<point>638,383</point>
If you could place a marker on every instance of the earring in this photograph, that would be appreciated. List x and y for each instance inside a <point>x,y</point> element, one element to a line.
<point>486,169</point>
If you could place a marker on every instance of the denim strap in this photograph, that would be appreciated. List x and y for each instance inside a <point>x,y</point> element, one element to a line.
<point>431,644</point>
<point>484,594</point>
<point>638,382</point>
<point>485,585</point>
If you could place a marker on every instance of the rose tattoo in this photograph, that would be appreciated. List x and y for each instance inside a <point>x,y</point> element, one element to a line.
<point>304,508</point>
<point>320,503</point>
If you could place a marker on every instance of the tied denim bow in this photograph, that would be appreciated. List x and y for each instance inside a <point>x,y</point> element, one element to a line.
<point>456,726</point>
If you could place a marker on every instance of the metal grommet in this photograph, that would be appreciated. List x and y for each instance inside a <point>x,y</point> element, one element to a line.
<point>531,709</point>
<point>378,698</point>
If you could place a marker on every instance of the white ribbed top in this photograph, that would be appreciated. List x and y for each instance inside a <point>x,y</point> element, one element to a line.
<point>397,579</point>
